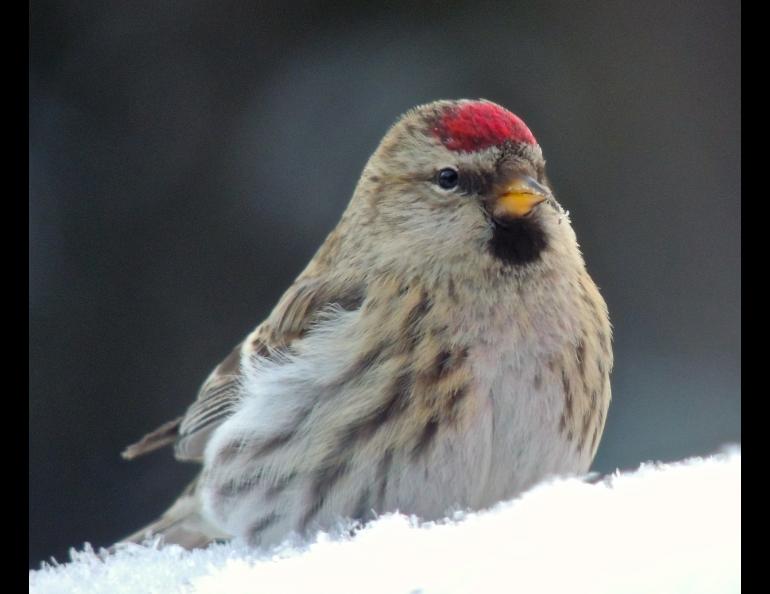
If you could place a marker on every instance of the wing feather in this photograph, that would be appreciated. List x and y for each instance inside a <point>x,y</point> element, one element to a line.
<point>292,317</point>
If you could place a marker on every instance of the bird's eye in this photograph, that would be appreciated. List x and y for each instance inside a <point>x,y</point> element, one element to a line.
<point>447,178</point>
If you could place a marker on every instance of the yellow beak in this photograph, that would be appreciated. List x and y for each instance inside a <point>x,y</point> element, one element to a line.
<point>519,198</point>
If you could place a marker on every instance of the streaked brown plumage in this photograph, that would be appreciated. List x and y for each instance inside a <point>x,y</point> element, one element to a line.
<point>444,348</point>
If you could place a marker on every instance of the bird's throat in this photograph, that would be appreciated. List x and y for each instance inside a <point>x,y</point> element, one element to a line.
<point>517,241</point>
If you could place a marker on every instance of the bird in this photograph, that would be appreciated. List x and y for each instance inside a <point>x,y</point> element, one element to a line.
<point>444,349</point>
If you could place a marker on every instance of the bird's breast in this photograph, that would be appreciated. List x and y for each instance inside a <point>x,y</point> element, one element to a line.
<point>541,373</point>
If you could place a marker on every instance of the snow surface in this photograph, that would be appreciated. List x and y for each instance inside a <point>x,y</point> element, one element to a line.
<point>662,529</point>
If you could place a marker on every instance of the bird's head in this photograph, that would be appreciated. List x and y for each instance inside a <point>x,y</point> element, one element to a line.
<point>462,181</point>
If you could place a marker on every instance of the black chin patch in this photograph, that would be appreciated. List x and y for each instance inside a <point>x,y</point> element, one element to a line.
<point>517,241</point>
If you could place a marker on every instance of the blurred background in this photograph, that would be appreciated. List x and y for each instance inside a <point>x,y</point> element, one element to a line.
<point>188,157</point>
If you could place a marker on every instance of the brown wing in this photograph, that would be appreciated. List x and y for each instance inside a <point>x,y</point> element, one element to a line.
<point>289,321</point>
<point>212,406</point>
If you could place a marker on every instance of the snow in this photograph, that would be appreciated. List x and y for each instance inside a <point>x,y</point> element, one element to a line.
<point>662,528</point>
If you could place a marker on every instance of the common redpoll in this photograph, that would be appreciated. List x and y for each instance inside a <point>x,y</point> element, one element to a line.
<point>444,349</point>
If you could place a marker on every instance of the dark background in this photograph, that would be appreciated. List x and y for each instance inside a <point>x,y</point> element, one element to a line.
<point>187,158</point>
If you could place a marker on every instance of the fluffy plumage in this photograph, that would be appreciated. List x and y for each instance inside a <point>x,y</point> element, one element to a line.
<point>444,348</point>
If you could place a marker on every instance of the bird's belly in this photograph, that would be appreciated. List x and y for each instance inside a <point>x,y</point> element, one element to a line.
<point>528,444</point>
<point>512,441</point>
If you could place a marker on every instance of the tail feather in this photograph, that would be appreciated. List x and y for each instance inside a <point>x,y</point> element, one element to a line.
<point>163,435</point>
<point>182,524</point>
